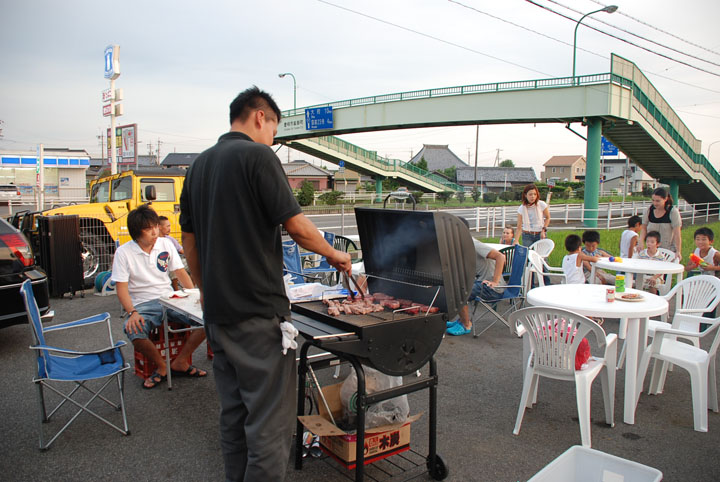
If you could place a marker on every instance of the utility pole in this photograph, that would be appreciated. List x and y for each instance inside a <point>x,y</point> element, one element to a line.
<point>158,150</point>
<point>477,140</point>
<point>497,157</point>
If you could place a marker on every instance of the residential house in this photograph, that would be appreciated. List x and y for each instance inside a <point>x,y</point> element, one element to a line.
<point>564,168</point>
<point>614,172</point>
<point>495,179</point>
<point>179,159</point>
<point>438,157</point>
<point>299,171</point>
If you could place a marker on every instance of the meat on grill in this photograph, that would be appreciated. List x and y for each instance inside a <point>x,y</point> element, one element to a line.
<point>374,303</point>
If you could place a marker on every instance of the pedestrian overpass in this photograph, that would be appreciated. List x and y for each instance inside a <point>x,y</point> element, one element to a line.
<point>622,105</point>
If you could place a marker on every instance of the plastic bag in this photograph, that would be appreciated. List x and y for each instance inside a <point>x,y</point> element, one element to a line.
<point>387,412</point>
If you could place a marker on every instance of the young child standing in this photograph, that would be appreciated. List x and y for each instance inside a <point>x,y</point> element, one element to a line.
<point>704,238</point>
<point>572,263</point>
<point>652,243</point>
<point>591,240</point>
<point>629,237</point>
<point>508,236</point>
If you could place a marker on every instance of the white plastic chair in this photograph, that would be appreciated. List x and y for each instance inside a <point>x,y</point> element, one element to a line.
<point>699,363</point>
<point>554,336</point>
<point>669,256</point>
<point>538,266</point>
<point>693,297</point>
<point>543,247</point>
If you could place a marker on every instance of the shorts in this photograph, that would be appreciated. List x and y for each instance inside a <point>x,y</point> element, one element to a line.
<point>152,312</point>
<point>484,292</point>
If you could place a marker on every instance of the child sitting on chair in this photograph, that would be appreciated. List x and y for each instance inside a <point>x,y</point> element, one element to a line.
<point>572,263</point>
<point>652,242</point>
<point>709,257</point>
<point>591,240</point>
<point>508,236</point>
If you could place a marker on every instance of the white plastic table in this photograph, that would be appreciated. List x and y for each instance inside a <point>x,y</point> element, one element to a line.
<point>639,266</point>
<point>188,306</point>
<point>590,300</point>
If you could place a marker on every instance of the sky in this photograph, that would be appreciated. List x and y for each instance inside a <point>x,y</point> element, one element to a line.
<point>183,62</point>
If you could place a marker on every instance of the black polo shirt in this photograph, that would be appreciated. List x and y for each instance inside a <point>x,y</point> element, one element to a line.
<point>234,199</point>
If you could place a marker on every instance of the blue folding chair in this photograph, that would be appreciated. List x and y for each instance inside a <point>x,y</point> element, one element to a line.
<point>293,264</point>
<point>513,292</point>
<point>323,266</point>
<point>79,367</point>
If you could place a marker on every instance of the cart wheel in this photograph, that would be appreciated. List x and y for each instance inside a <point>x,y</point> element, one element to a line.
<point>439,471</point>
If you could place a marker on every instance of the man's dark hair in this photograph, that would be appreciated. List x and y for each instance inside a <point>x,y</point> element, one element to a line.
<point>634,221</point>
<point>654,234</point>
<point>249,100</point>
<point>705,232</point>
<point>163,218</point>
<point>572,243</point>
<point>142,217</point>
<point>591,236</point>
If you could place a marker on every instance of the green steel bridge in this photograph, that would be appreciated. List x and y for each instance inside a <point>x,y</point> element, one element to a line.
<point>621,105</point>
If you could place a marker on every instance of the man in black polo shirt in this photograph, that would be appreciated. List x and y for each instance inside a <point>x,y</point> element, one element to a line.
<point>234,199</point>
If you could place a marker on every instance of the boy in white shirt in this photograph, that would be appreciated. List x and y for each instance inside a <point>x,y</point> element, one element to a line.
<point>629,237</point>
<point>140,271</point>
<point>704,249</point>
<point>652,242</point>
<point>572,263</point>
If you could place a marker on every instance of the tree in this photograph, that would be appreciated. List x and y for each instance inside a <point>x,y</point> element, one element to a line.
<point>460,196</point>
<point>450,173</point>
<point>422,164</point>
<point>306,194</point>
<point>445,196</point>
<point>331,197</point>
<point>475,194</point>
<point>507,163</point>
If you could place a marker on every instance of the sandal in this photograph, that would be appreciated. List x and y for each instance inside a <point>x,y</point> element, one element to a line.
<point>155,379</point>
<point>197,373</point>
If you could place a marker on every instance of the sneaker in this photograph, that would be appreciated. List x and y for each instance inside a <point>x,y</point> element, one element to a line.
<point>450,324</point>
<point>458,330</point>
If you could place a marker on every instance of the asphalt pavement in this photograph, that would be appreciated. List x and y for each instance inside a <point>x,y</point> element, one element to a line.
<point>175,433</point>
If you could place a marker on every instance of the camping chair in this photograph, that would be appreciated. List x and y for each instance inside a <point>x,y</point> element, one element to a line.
<point>322,268</point>
<point>292,264</point>
<point>513,292</point>
<point>555,336</point>
<point>80,367</point>
<point>509,252</point>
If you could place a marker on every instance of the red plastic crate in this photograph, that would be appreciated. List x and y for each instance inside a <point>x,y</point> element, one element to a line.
<point>143,366</point>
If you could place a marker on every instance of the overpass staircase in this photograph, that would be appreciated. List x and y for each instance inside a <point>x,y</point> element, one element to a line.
<point>333,149</point>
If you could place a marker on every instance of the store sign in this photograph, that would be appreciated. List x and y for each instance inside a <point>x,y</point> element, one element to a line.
<point>107,95</point>
<point>107,110</point>
<point>125,143</point>
<point>112,62</point>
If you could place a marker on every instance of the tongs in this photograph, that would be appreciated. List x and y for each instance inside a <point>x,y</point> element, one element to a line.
<point>345,277</point>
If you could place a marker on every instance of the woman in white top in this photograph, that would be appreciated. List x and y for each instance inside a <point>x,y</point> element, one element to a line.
<point>533,216</point>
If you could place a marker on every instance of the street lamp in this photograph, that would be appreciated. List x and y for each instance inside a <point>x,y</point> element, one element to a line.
<point>608,9</point>
<point>294,87</point>
<point>709,146</point>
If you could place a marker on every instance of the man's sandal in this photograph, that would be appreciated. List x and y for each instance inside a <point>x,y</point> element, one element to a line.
<point>197,373</point>
<point>156,379</point>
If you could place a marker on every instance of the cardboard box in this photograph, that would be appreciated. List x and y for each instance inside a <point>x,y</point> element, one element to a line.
<point>380,442</point>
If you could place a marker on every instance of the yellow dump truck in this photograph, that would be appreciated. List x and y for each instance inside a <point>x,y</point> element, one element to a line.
<point>103,221</point>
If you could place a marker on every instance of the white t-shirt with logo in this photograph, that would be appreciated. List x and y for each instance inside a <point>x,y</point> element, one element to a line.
<point>147,274</point>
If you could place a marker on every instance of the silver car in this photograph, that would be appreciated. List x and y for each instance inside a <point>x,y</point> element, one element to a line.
<point>9,192</point>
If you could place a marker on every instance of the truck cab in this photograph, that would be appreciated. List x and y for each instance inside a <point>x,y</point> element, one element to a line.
<point>103,221</point>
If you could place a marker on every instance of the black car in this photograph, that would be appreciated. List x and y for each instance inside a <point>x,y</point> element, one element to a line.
<point>16,265</point>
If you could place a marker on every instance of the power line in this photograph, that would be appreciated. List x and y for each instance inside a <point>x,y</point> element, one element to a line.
<point>407,29</point>
<point>524,28</point>
<point>624,40</point>
<point>636,35</point>
<point>659,30</point>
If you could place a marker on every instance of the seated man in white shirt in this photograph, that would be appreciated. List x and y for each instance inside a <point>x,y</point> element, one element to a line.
<point>141,272</point>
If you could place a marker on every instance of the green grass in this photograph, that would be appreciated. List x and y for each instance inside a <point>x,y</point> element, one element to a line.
<point>610,240</point>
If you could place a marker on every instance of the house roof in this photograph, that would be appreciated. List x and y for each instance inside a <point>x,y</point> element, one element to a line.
<point>438,157</point>
<point>301,168</point>
<point>179,159</point>
<point>563,160</point>
<point>497,174</point>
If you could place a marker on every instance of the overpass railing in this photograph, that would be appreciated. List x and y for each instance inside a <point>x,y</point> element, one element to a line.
<point>394,165</point>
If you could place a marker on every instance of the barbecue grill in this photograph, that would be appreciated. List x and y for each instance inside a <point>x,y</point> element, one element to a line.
<point>426,257</point>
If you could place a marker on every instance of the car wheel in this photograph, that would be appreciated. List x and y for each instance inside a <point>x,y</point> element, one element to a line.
<point>95,255</point>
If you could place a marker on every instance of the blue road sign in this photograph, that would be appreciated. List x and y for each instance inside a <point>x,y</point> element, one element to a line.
<point>341,163</point>
<point>317,118</point>
<point>608,149</point>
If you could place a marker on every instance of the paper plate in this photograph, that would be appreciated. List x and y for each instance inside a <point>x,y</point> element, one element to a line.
<point>619,297</point>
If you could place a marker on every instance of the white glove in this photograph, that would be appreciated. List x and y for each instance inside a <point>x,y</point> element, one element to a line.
<point>289,332</point>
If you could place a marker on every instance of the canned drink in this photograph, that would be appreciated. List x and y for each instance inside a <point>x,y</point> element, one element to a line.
<point>610,294</point>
